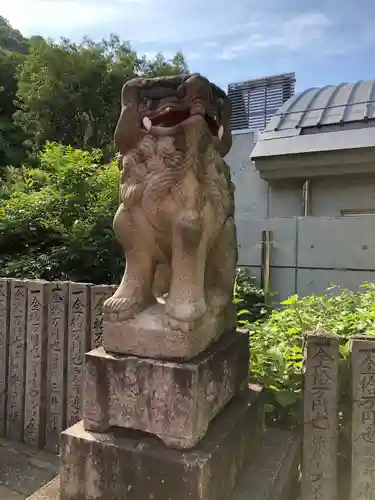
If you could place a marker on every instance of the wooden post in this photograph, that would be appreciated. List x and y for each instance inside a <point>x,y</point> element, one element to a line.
<point>363,418</point>
<point>319,476</point>
<point>266,264</point>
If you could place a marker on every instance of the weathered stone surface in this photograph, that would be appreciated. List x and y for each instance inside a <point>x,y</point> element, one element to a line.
<point>98,294</point>
<point>175,222</point>
<point>36,360</point>
<point>50,491</point>
<point>363,419</point>
<point>78,345</point>
<point>272,470</point>
<point>271,473</point>
<point>17,353</point>
<point>4,346</point>
<point>147,336</point>
<point>319,479</point>
<point>134,465</point>
<point>22,472</point>
<point>56,362</point>
<point>175,401</point>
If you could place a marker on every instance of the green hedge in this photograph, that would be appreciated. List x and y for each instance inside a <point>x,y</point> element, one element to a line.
<point>277,343</point>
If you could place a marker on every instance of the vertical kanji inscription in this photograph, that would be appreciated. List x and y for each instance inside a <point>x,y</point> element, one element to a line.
<point>17,352</point>
<point>36,342</point>
<point>319,479</point>
<point>4,348</point>
<point>56,363</point>
<point>78,344</point>
<point>99,293</point>
<point>363,418</point>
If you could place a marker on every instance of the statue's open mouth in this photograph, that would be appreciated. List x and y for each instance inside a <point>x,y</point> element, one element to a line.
<point>170,117</point>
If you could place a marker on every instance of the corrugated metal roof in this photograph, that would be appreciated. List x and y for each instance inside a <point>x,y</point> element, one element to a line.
<point>254,102</point>
<point>329,105</point>
<point>330,118</point>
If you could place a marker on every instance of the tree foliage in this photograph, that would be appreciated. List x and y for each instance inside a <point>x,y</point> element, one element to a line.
<point>59,104</point>
<point>65,92</point>
<point>11,39</point>
<point>13,48</point>
<point>56,220</point>
<point>70,93</point>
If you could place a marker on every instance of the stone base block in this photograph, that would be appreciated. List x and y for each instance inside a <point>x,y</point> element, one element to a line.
<point>272,472</point>
<point>151,335</point>
<point>136,466</point>
<point>175,401</point>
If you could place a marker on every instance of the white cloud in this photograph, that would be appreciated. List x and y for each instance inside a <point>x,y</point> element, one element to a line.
<point>230,30</point>
<point>50,16</point>
<point>292,34</point>
<point>146,21</point>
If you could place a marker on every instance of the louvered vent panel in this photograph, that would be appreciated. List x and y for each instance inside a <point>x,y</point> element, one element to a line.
<point>254,102</point>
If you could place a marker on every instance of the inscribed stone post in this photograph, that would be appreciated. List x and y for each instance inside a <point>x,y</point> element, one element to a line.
<point>57,294</point>
<point>4,342</point>
<point>98,295</point>
<point>319,478</point>
<point>78,345</point>
<point>16,371</point>
<point>363,419</point>
<point>36,343</point>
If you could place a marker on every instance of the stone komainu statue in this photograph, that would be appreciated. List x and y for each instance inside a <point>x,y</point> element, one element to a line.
<point>175,221</point>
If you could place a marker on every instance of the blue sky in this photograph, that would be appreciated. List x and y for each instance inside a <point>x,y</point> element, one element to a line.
<point>323,41</point>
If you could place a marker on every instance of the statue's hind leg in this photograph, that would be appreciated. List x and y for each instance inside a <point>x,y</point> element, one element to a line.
<point>186,300</point>
<point>135,291</point>
<point>221,268</point>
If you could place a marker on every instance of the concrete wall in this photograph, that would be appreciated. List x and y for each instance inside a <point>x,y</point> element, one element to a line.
<point>310,254</point>
<point>330,196</point>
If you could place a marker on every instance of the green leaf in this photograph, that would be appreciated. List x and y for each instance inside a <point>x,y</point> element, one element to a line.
<point>291,300</point>
<point>286,398</point>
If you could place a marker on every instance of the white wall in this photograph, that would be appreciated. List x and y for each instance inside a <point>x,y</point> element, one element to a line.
<point>285,201</point>
<point>330,196</point>
<point>251,192</point>
<point>255,198</point>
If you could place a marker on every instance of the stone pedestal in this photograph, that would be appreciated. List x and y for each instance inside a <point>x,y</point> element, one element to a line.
<point>137,466</point>
<point>175,401</point>
<point>148,335</point>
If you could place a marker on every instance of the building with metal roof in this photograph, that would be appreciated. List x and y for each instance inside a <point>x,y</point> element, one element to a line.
<point>306,185</point>
<point>320,131</point>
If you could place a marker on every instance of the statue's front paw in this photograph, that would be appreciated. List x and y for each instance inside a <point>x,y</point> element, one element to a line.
<point>122,308</point>
<point>186,311</point>
<point>179,326</point>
